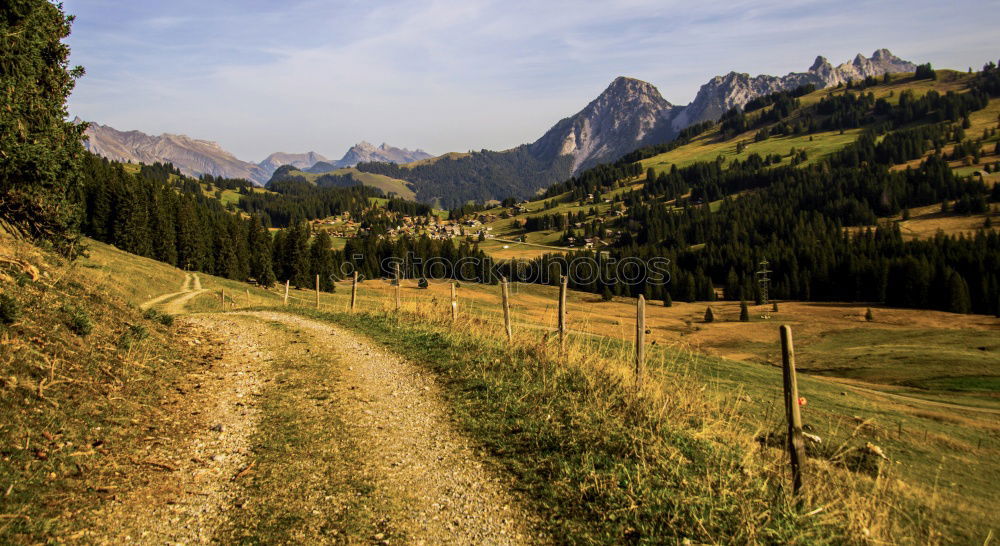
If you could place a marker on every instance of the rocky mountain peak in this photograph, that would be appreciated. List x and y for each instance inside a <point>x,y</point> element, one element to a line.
<point>820,62</point>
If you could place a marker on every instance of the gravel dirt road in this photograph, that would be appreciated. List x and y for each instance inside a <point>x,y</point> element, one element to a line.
<point>359,414</point>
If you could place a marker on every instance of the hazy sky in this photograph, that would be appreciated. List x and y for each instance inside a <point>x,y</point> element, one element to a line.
<point>301,75</point>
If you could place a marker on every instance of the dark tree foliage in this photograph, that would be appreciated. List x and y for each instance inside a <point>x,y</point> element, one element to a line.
<point>39,150</point>
<point>299,200</point>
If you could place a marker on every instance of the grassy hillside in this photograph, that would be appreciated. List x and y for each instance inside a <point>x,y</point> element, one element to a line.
<point>387,184</point>
<point>583,447</point>
<point>713,144</point>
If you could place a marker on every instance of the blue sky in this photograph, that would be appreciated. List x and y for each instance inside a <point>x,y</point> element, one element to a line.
<point>260,77</point>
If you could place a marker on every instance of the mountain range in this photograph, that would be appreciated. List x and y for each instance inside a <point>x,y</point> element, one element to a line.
<point>195,157</point>
<point>629,114</point>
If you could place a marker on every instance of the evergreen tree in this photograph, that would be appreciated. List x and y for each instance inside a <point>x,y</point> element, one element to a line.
<point>744,312</point>
<point>667,300</point>
<point>321,261</point>
<point>869,316</point>
<point>41,151</point>
<point>259,242</point>
<point>709,315</point>
<point>958,294</point>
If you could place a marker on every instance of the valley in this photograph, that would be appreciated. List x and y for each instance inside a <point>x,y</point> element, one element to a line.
<point>768,316</point>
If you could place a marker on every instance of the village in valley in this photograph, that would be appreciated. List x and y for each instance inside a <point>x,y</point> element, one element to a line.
<point>506,222</point>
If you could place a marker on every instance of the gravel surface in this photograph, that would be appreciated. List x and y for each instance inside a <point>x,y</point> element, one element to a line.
<point>187,487</point>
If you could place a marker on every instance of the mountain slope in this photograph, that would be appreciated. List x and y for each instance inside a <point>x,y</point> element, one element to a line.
<point>627,114</point>
<point>191,156</point>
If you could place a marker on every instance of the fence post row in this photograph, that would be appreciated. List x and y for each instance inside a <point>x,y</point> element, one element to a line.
<point>796,443</point>
<point>562,313</point>
<point>505,299</point>
<point>640,339</point>
<point>354,290</point>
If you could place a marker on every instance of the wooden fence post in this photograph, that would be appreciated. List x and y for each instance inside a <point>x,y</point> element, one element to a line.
<point>398,284</point>
<point>796,444</point>
<point>317,291</point>
<point>505,297</point>
<point>223,299</point>
<point>286,292</point>
<point>640,339</point>
<point>454,304</point>
<point>562,313</point>
<point>354,290</point>
<point>248,297</point>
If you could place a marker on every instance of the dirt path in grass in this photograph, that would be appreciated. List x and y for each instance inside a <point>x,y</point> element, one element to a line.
<point>303,432</point>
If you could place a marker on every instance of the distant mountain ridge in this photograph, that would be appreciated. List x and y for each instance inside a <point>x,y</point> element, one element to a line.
<point>364,152</point>
<point>195,157</point>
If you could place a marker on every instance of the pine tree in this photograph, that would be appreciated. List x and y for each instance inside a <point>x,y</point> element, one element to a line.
<point>667,300</point>
<point>958,294</point>
<point>744,312</point>
<point>709,315</point>
<point>774,307</point>
<point>41,151</point>
<point>869,316</point>
<point>321,261</point>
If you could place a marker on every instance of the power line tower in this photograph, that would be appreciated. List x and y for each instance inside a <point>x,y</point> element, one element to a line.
<point>764,282</point>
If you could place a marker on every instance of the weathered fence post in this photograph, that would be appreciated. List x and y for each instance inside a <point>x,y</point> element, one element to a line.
<point>454,304</point>
<point>354,290</point>
<point>286,292</point>
<point>398,284</point>
<point>562,313</point>
<point>505,298</point>
<point>248,297</point>
<point>317,291</point>
<point>640,339</point>
<point>796,444</point>
<point>223,299</point>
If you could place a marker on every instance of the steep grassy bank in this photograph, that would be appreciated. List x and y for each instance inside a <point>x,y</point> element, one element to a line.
<point>81,372</point>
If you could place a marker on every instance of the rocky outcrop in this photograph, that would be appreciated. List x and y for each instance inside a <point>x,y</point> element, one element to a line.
<point>625,116</point>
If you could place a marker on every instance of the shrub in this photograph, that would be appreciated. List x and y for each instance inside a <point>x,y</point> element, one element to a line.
<point>157,316</point>
<point>78,321</point>
<point>134,334</point>
<point>709,315</point>
<point>422,283</point>
<point>774,307</point>
<point>667,300</point>
<point>869,316</point>
<point>9,309</point>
